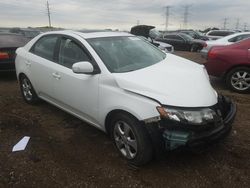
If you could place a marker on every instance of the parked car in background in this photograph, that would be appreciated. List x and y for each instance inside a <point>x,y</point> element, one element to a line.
<point>114,81</point>
<point>8,44</point>
<point>217,34</point>
<point>230,39</point>
<point>28,33</point>
<point>150,33</point>
<point>182,42</point>
<point>194,34</point>
<point>232,63</point>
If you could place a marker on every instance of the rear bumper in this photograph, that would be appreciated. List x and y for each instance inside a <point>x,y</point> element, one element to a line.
<point>173,136</point>
<point>204,53</point>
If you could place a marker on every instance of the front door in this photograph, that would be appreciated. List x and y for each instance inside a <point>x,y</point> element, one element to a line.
<point>77,93</point>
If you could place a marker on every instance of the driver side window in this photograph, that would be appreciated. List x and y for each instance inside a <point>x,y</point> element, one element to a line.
<point>70,52</point>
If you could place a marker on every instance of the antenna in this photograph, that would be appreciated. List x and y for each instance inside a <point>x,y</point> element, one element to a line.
<point>48,13</point>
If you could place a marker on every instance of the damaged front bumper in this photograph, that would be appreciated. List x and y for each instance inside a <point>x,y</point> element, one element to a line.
<point>175,135</point>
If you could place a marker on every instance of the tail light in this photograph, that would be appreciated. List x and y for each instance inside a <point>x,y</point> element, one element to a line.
<point>212,54</point>
<point>4,55</point>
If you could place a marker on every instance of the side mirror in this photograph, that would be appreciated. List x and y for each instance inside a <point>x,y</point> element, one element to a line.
<point>83,67</point>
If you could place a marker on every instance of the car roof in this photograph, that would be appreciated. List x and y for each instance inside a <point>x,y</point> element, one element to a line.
<point>221,31</point>
<point>89,35</point>
<point>8,40</point>
<point>233,35</point>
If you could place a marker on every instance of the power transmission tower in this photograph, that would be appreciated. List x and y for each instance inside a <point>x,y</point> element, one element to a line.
<point>167,17</point>
<point>225,23</point>
<point>186,14</point>
<point>245,26</point>
<point>237,23</point>
<point>48,13</point>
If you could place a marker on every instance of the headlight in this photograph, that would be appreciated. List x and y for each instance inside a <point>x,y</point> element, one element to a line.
<point>198,116</point>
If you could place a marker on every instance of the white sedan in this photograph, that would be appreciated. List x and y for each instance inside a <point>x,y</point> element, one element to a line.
<point>142,97</point>
<point>230,39</point>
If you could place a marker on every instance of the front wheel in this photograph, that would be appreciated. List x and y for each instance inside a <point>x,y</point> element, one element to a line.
<point>131,139</point>
<point>238,79</point>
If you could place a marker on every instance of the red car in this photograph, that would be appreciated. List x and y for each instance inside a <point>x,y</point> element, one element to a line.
<point>232,63</point>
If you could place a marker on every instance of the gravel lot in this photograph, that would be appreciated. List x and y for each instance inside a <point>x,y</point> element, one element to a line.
<point>66,152</point>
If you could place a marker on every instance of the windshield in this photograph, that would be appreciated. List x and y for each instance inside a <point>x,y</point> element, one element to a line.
<point>124,54</point>
<point>153,33</point>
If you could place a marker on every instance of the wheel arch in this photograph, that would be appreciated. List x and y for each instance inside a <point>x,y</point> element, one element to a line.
<point>20,75</point>
<point>234,67</point>
<point>111,114</point>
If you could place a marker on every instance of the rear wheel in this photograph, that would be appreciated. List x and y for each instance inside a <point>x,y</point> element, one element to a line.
<point>194,48</point>
<point>28,92</point>
<point>131,139</point>
<point>238,79</point>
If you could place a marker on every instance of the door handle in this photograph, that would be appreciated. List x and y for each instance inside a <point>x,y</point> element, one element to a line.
<point>56,75</point>
<point>28,63</point>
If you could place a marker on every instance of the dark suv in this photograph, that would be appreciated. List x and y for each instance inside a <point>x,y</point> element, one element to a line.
<point>192,33</point>
<point>182,42</point>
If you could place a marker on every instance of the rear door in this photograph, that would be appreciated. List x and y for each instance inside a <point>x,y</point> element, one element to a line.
<point>176,41</point>
<point>42,64</point>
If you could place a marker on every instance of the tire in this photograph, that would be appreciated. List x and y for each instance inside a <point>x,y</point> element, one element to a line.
<point>238,79</point>
<point>131,139</point>
<point>27,90</point>
<point>194,48</point>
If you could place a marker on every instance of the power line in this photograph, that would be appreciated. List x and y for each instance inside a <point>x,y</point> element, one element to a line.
<point>48,13</point>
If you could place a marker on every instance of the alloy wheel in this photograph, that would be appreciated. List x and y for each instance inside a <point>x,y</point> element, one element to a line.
<point>27,89</point>
<point>240,80</point>
<point>125,139</point>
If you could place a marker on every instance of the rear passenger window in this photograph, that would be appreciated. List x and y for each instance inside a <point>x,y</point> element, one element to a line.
<point>45,46</point>
<point>70,53</point>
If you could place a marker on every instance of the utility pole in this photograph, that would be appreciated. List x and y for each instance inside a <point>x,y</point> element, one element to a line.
<point>237,23</point>
<point>167,17</point>
<point>48,13</point>
<point>225,23</point>
<point>138,22</point>
<point>186,14</point>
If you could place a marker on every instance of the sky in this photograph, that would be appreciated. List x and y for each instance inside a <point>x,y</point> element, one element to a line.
<point>123,14</point>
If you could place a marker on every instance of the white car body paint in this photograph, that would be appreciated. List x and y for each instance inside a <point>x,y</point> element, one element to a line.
<point>175,81</point>
<point>221,42</point>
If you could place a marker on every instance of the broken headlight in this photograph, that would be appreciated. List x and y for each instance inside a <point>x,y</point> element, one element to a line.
<point>197,116</point>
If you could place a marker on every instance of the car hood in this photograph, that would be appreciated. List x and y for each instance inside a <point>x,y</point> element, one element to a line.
<point>174,81</point>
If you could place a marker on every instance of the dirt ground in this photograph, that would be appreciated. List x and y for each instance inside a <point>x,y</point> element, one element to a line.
<point>66,152</point>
